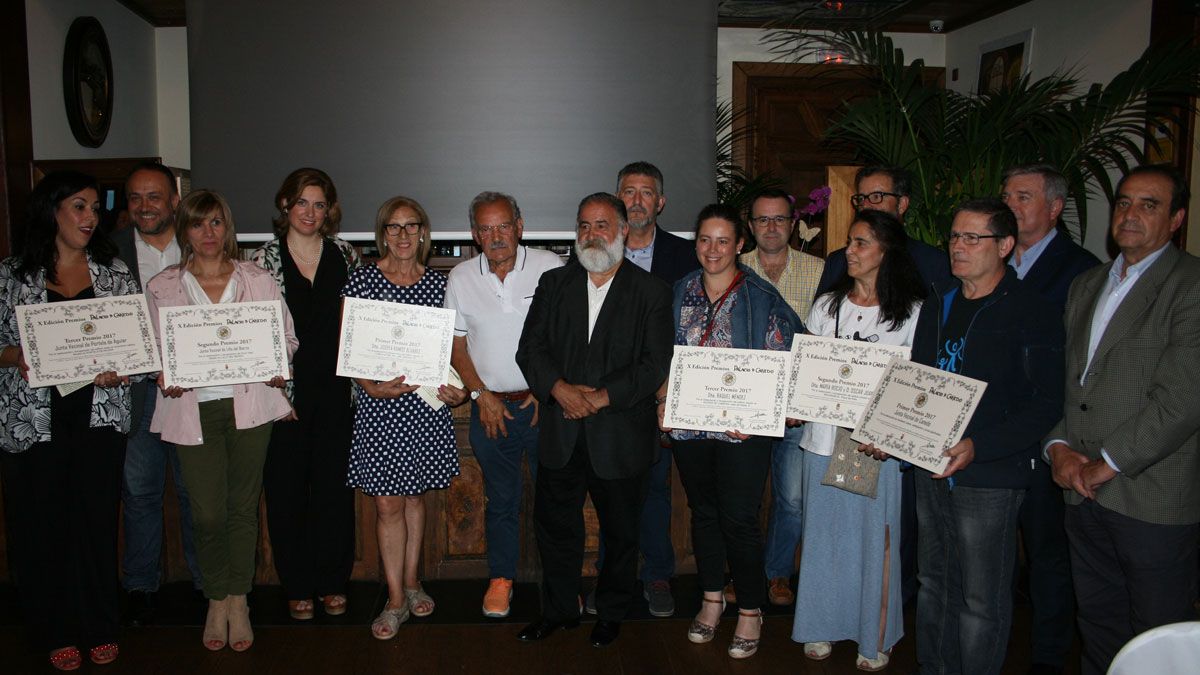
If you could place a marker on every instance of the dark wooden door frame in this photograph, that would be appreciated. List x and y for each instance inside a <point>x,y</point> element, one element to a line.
<point>16,128</point>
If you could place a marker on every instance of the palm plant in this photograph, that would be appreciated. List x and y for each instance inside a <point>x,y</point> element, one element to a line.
<point>736,186</point>
<point>958,145</point>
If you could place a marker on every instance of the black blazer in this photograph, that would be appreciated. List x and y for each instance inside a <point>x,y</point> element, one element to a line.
<point>629,355</point>
<point>933,264</point>
<point>674,256</point>
<point>1057,267</point>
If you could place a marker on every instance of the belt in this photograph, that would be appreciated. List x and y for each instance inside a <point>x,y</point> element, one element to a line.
<point>512,396</point>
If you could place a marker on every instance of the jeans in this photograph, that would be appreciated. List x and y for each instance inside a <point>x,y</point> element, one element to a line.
<point>654,538</point>
<point>967,554</point>
<point>146,460</point>
<point>503,483</point>
<point>787,509</point>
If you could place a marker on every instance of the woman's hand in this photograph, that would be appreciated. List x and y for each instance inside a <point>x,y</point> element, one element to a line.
<point>871,450</point>
<point>662,410</point>
<point>14,357</point>
<point>393,388</point>
<point>737,435</point>
<point>793,422</point>
<point>169,392</point>
<point>451,395</point>
<point>278,382</point>
<point>110,379</point>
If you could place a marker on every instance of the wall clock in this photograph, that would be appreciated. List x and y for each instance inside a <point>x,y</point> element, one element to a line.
<point>88,81</point>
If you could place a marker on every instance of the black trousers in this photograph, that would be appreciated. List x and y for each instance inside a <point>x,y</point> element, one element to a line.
<point>1130,576</point>
<point>1049,559</point>
<point>558,523</point>
<point>63,501</point>
<point>724,484</point>
<point>310,510</point>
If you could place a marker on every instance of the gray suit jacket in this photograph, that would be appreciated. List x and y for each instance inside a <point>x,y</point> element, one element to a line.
<point>1141,399</point>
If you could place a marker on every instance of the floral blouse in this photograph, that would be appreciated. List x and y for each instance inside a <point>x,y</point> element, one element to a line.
<point>25,412</point>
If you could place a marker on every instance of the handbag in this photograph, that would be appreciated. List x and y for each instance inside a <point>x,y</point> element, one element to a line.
<point>849,469</point>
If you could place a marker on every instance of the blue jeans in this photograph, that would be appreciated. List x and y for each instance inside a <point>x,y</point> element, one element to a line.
<point>966,558</point>
<point>145,475</point>
<point>500,461</point>
<point>787,507</point>
<point>654,535</point>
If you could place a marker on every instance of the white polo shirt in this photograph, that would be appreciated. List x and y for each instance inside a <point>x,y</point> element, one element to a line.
<point>491,313</point>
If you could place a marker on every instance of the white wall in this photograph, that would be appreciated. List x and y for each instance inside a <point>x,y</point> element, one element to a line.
<point>134,130</point>
<point>174,121</point>
<point>1095,44</point>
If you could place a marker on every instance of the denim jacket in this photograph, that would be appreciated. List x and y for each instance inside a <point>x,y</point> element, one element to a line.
<point>757,302</point>
<point>26,411</point>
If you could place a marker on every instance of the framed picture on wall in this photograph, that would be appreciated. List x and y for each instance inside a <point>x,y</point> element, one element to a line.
<point>1002,62</point>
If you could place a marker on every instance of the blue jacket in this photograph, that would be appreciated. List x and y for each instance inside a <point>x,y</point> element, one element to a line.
<point>757,301</point>
<point>1014,344</point>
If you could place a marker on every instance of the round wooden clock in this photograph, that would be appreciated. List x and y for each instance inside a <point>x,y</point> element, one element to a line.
<point>88,81</point>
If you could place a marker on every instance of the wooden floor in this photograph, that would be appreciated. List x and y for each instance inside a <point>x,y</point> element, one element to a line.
<point>472,645</point>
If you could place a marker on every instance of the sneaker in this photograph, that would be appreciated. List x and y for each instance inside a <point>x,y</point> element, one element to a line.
<point>779,593</point>
<point>498,600</point>
<point>658,594</point>
<point>589,606</point>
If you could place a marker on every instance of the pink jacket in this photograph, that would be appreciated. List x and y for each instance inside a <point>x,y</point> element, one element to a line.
<point>178,419</point>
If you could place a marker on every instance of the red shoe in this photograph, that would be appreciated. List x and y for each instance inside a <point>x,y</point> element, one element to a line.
<point>66,658</point>
<point>104,654</point>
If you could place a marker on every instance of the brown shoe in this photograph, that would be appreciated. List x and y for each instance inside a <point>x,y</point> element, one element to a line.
<point>779,593</point>
<point>729,593</point>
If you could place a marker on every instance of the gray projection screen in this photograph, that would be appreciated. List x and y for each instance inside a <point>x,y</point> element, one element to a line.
<point>441,99</point>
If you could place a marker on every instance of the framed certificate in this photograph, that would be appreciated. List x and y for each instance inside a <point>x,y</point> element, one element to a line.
<point>718,389</point>
<point>384,340</point>
<point>917,412</point>
<point>231,343</point>
<point>833,379</point>
<point>73,341</point>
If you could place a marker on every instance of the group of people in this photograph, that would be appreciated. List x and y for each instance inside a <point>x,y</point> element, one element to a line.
<point>565,368</point>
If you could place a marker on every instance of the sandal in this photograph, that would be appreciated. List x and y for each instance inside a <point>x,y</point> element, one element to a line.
<point>66,658</point>
<point>873,665</point>
<point>300,610</point>
<point>818,651</point>
<point>216,625</point>
<point>335,604</point>
<point>241,635</point>
<point>417,597</point>
<point>700,632</point>
<point>389,619</point>
<point>104,654</point>
<point>744,648</point>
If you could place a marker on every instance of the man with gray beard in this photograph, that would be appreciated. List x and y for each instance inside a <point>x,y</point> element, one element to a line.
<point>596,345</point>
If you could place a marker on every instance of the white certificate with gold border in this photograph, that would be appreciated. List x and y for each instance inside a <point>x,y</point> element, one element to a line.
<point>383,340</point>
<point>918,412</point>
<point>833,378</point>
<point>229,343</point>
<point>720,389</point>
<point>75,340</point>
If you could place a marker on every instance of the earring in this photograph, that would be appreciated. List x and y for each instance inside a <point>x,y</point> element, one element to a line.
<point>421,240</point>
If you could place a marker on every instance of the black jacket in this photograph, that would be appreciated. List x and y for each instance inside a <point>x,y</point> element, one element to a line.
<point>1057,267</point>
<point>1014,344</point>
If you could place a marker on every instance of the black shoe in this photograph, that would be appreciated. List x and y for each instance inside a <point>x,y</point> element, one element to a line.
<point>604,632</point>
<point>1045,669</point>
<point>542,628</point>
<point>140,609</point>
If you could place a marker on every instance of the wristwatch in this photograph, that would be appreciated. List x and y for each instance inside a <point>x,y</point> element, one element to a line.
<point>476,393</point>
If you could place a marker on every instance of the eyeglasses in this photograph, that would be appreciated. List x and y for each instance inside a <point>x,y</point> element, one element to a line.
<point>393,229</point>
<point>971,238</point>
<point>763,221</point>
<point>873,197</point>
<point>502,228</point>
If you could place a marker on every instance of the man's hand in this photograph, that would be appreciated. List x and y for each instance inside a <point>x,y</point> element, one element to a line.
<point>571,398</point>
<point>492,413</point>
<point>1096,473</point>
<point>870,450</point>
<point>1066,467</point>
<point>961,454</point>
<point>531,401</point>
<point>598,398</point>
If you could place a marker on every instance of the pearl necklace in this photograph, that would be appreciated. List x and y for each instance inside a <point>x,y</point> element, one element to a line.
<point>307,261</point>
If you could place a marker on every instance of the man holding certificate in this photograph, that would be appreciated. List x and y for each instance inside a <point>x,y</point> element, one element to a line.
<point>988,327</point>
<point>595,348</point>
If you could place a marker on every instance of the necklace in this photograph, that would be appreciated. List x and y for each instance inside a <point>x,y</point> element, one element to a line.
<point>295,251</point>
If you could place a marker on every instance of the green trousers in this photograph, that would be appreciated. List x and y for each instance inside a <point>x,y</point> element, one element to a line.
<point>223,476</point>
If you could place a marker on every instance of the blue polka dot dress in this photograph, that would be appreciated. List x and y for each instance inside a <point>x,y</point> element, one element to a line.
<point>401,445</point>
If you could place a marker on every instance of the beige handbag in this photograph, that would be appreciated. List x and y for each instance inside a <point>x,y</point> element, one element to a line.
<point>851,470</point>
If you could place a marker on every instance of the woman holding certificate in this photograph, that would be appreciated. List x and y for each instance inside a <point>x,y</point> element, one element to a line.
<point>221,431</point>
<point>849,587</point>
<point>724,304</point>
<point>402,447</point>
<point>64,448</point>
<point>309,507</point>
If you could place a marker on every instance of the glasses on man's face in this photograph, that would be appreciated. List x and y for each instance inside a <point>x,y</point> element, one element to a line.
<point>777,221</point>
<point>393,229</point>
<point>972,238</point>
<point>502,228</point>
<point>873,197</point>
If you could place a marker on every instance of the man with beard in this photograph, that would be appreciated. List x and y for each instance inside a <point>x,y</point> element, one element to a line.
<point>596,345</point>
<point>490,294</point>
<point>147,248</point>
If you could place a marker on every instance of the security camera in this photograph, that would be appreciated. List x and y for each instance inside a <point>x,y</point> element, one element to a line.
<point>936,25</point>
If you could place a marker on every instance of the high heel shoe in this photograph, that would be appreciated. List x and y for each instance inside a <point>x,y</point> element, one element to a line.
<point>700,632</point>
<point>241,635</point>
<point>216,625</point>
<point>744,648</point>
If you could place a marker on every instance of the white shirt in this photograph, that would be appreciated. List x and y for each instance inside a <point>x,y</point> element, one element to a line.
<point>150,260</point>
<point>196,294</point>
<point>596,295</point>
<point>816,437</point>
<point>491,313</point>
